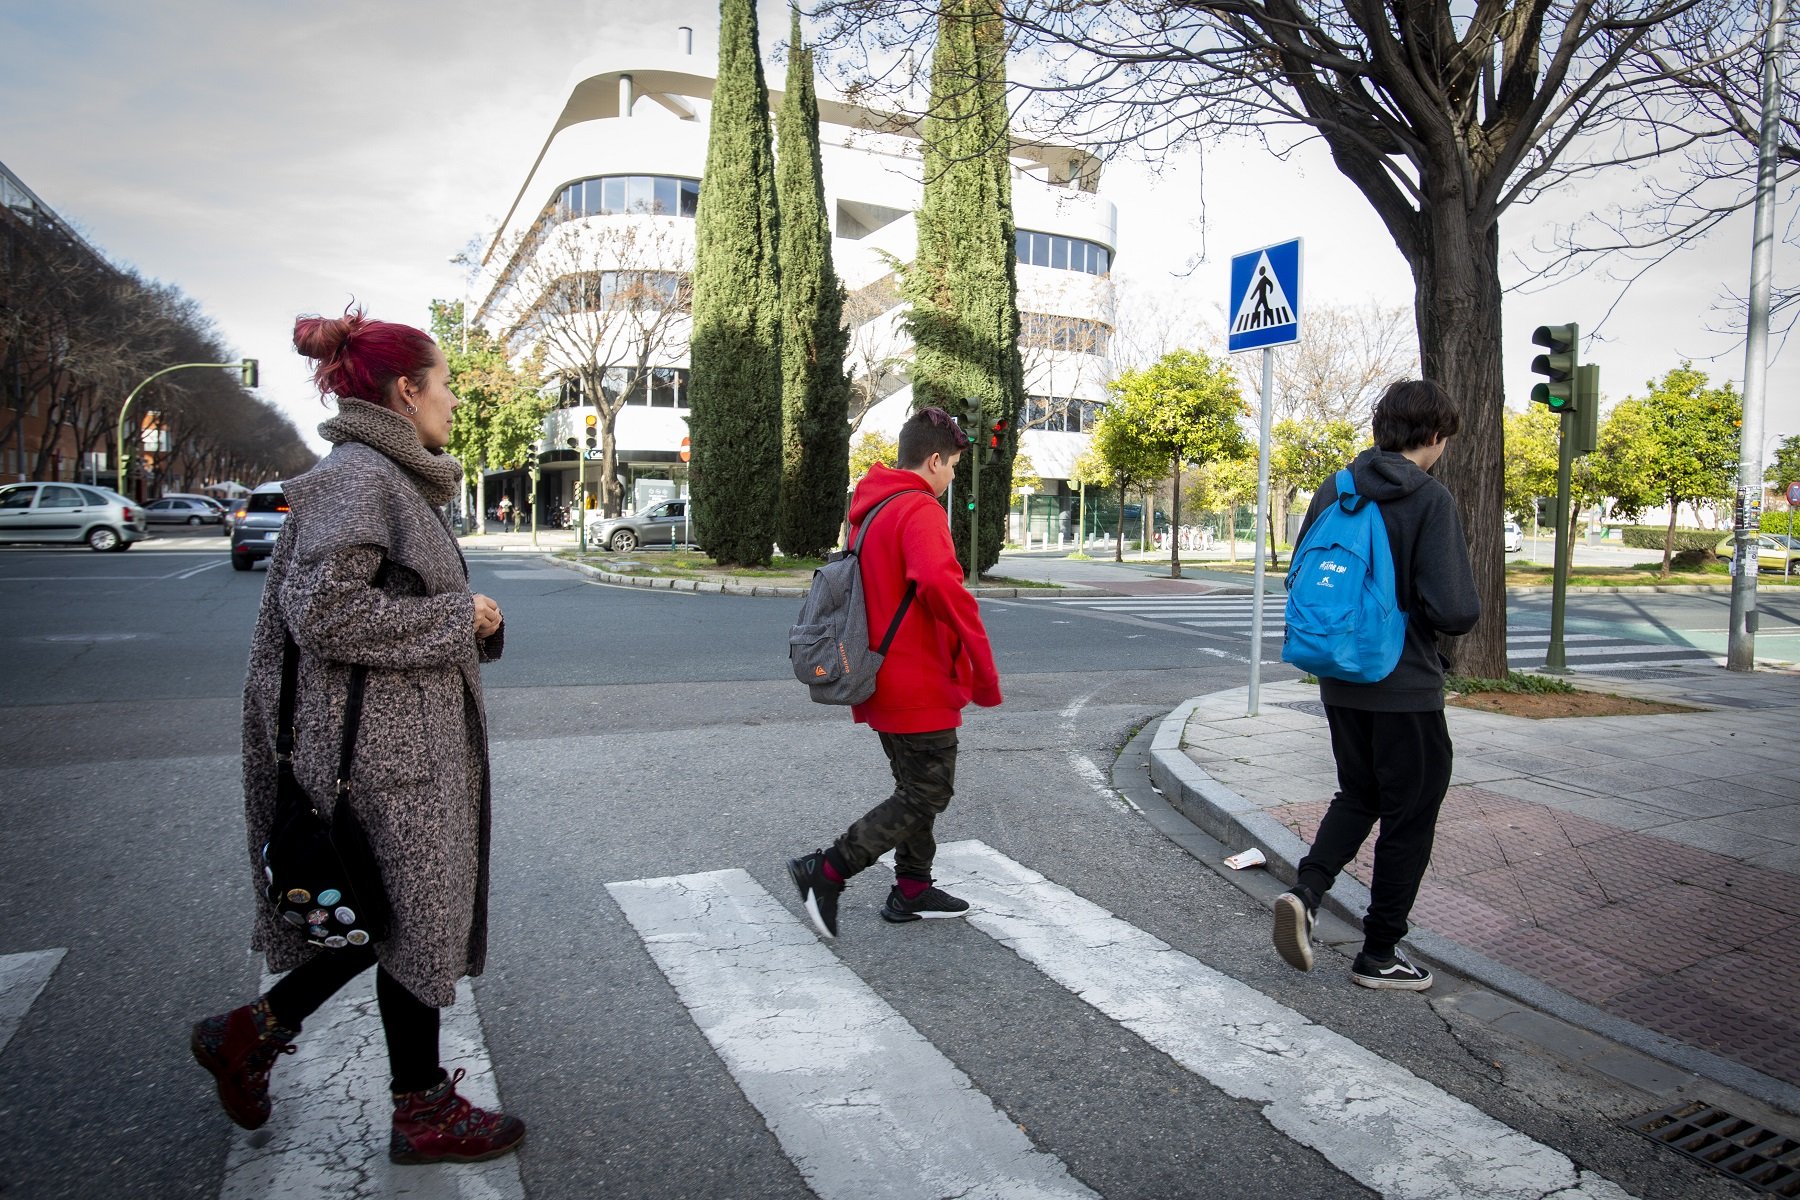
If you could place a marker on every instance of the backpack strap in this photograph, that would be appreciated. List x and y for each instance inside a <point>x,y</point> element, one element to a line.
<point>912,585</point>
<point>1348,498</point>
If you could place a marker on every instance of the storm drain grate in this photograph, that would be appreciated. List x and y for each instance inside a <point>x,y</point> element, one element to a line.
<point>1311,708</point>
<point>1749,1153</point>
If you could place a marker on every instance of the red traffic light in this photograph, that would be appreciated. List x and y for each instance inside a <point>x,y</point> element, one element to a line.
<point>998,431</point>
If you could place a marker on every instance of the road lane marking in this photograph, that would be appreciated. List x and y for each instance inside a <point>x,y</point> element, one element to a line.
<point>22,979</point>
<point>860,1101</point>
<point>328,1136</point>
<point>193,571</point>
<point>1372,1119</point>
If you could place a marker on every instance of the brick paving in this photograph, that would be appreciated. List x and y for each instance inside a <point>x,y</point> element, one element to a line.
<point>1699,946</point>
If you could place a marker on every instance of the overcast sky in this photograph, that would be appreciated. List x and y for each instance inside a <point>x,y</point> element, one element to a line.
<point>276,158</point>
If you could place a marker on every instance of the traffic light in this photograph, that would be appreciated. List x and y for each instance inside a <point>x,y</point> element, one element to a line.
<point>593,433</point>
<point>1546,510</point>
<point>994,435</point>
<point>1559,394</point>
<point>248,369</point>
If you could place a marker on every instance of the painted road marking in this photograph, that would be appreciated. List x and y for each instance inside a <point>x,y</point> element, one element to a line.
<point>22,979</point>
<point>328,1136</point>
<point>1372,1119</point>
<point>862,1103</point>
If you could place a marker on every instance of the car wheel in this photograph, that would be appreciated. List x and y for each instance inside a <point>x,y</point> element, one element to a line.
<point>193,520</point>
<point>104,538</point>
<point>240,562</point>
<point>623,542</point>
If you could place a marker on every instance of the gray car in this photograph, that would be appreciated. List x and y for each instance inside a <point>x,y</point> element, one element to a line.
<point>253,535</point>
<point>664,523</point>
<point>69,512</point>
<point>181,510</point>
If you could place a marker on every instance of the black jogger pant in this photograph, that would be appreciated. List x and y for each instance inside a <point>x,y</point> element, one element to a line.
<point>411,1026</point>
<point>1393,768</point>
<point>924,766</point>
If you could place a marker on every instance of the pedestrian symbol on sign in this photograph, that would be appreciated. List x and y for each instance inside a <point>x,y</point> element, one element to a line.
<point>1265,303</point>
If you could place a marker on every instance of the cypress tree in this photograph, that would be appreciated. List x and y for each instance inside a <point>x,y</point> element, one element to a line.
<point>815,391</point>
<point>735,401</point>
<point>964,314</point>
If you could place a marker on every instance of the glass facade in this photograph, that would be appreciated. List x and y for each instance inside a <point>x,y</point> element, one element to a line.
<point>617,195</point>
<point>1061,253</point>
<point>596,291</point>
<point>1060,414</point>
<point>1077,335</point>
<point>660,387</point>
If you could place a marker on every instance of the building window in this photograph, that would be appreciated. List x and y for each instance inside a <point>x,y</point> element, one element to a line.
<point>1060,414</point>
<point>617,195</point>
<point>1061,253</point>
<point>1077,335</point>
<point>597,291</point>
<point>661,387</point>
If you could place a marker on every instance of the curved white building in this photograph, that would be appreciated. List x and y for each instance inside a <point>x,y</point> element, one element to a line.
<point>607,210</point>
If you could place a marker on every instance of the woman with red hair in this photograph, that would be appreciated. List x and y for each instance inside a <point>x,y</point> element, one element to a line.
<point>367,573</point>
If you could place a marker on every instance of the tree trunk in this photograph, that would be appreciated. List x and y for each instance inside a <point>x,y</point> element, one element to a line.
<point>1457,307</point>
<point>1175,525</point>
<point>1119,531</point>
<point>1669,538</point>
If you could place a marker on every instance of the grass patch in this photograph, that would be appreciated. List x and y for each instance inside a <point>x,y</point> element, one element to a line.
<point>1005,581</point>
<point>1519,574</point>
<point>1516,683</point>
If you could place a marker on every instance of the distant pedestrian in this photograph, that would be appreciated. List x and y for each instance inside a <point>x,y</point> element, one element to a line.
<point>939,662</point>
<point>506,510</point>
<point>1389,738</point>
<point>367,572</point>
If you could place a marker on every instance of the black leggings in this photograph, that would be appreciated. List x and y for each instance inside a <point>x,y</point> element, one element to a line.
<point>410,1025</point>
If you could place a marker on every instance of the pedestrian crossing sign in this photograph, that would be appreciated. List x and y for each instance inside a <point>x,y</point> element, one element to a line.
<point>1265,298</point>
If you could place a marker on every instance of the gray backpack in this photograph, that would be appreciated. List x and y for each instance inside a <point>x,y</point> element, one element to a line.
<point>829,644</point>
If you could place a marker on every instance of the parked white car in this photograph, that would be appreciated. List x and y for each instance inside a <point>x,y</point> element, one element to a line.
<point>1514,538</point>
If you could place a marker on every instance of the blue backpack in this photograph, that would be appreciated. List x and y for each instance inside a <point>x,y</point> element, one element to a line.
<point>1343,618</point>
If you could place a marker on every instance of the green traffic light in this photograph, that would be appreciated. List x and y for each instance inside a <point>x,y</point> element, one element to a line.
<point>1558,367</point>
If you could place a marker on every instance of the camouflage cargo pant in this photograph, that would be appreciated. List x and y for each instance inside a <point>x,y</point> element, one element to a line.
<point>924,766</point>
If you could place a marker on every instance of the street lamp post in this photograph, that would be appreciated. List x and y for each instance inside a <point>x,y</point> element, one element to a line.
<point>536,454</point>
<point>247,366</point>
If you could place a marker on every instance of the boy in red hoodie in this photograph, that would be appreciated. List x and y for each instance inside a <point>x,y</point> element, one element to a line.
<point>939,661</point>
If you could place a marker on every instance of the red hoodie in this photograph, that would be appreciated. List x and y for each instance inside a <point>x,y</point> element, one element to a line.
<point>940,659</point>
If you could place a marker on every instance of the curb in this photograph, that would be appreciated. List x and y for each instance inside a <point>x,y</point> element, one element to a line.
<point>1236,822</point>
<point>733,588</point>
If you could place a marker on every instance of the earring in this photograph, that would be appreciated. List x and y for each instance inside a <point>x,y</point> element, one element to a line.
<point>412,410</point>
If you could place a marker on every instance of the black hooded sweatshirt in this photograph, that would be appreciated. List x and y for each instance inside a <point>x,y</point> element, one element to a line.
<point>1432,579</point>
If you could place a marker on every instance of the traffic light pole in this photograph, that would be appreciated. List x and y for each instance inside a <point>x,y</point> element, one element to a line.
<point>975,453</point>
<point>247,366</point>
<point>1555,661</point>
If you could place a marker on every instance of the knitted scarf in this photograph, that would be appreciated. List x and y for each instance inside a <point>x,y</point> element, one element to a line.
<point>383,429</point>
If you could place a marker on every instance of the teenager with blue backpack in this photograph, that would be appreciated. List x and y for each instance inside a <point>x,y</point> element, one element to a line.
<point>1381,570</point>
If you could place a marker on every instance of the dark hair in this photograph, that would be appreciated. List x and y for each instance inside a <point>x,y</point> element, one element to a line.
<point>927,432</point>
<point>360,358</point>
<point>1410,412</point>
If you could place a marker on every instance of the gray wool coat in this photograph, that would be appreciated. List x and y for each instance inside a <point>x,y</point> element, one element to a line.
<point>420,779</point>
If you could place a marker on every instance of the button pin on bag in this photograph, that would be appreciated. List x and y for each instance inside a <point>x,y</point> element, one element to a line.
<point>345,916</point>
<point>292,917</point>
<point>329,896</point>
<point>298,895</point>
<point>357,937</point>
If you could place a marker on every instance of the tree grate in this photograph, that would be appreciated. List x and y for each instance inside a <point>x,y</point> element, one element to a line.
<point>1762,1158</point>
<point>1311,708</point>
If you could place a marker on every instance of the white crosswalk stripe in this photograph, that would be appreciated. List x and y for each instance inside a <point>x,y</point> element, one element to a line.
<point>328,1139</point>
<point>22,980</point>
<point>865,1106</point>
<point>1526,647</point>
<point>861,1102</point>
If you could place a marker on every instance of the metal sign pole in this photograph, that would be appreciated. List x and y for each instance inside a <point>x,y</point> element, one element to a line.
<point>1262,521</point>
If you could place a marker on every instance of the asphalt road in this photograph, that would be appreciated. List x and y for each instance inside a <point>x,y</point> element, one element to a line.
<point>640,735</point>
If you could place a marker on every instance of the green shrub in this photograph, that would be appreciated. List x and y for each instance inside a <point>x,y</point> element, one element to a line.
<point>1653,537</point>
<point>1516,682</point>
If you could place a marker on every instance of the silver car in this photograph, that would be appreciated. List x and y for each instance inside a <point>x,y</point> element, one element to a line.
<point>182,510</point>
<point>665,523</point>
<point>69,512</point>
<point>253,535</point>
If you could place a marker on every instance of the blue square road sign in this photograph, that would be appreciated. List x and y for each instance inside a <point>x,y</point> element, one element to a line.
<point>1265,298</point>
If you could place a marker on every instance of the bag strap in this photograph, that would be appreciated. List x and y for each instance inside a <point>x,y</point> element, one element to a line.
<point>912,585</point>
<point>284,718</point>
<point>1348,498</point>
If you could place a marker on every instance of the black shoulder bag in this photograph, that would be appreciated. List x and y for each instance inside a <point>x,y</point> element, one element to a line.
<point>323,880</point>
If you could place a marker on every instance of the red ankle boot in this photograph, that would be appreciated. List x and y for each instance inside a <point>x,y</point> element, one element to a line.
<point>239,1047</point>
<point>437,1125</point>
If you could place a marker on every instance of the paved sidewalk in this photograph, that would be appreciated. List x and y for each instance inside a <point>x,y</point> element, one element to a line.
<point>1635,875</point>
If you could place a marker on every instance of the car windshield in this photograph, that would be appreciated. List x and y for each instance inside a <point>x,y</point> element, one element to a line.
<point>268,502</point>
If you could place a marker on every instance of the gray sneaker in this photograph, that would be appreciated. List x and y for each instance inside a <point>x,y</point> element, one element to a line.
<point>1293,931</point>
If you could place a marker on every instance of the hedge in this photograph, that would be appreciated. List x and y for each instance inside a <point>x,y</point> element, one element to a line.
<point>1654,537</point>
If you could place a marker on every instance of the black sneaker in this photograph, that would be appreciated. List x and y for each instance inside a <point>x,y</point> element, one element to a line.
<point>817,893</point>
<point>930,903</point>
<point>1395,972</point>
<point>1293,931</point>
